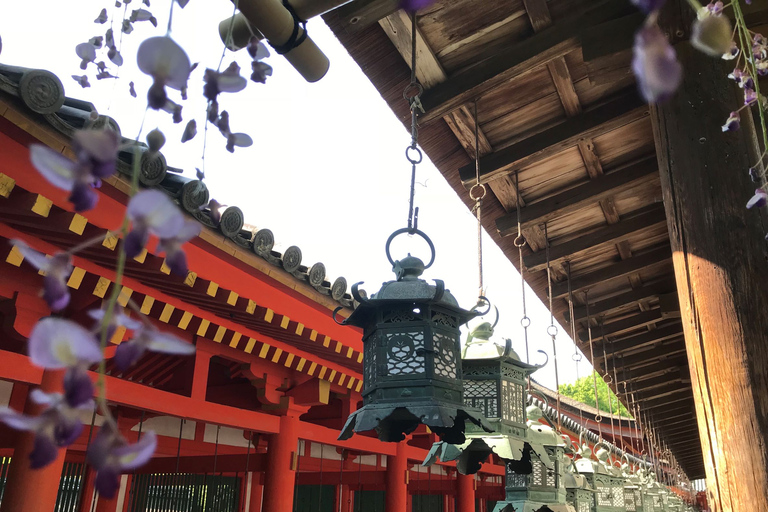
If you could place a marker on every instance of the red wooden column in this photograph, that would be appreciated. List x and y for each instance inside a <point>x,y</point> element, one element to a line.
<point>465,493</point>
<point>721,267</point>
<point>86,494</point>
<point>397,480</point>
<point>28,489</point>
<point>200,375</point>
<point>257,492</point>
<point>343,499</point>
<point>280,476</point>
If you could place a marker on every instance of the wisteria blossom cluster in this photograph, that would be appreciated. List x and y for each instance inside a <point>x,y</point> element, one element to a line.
<point>58,343</point>
<point>659,73</point>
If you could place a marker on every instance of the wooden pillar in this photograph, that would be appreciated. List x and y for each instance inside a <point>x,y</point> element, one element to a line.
<point>721,268</point>
<point>397,480</point>
<point>88,490</point>
<point>343,501</point>
<point>28,489</point>
<point>465,493</point>
<point>280,475</point>
<point>200,374</point>
<point>257,491</point>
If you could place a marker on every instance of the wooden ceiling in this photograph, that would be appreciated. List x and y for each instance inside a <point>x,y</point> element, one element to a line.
<point>563,131</point>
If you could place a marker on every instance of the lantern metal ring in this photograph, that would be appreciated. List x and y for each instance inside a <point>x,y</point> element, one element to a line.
<point>411,231</point>
<point>414,160</point>
<point>480,300</point>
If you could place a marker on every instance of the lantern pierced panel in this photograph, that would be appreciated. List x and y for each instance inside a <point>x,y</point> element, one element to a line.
<point>512,373</point>
<point>405,352</point>
<point>516,480</point>
<point>618,496</point>
<point>604,497</point>
<point>482,394</point>
<point>629,500</point>
<point>445,348</point>
<point>400,316</point>
<point>370,348</point>
<point>443,319</point>
<point>584,506</point>
<point>478,371</point>
<point>512,401</point>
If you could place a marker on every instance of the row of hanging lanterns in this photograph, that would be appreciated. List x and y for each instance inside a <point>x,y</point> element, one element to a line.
<point>475,401</point>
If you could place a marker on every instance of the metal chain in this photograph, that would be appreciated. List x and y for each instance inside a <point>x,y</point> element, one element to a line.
<point>552,329</point>
<point>576,357</point>
<point>599,417</point>
<point>607,378</point>
<point>412,153</point>
<point>618,405</point>
<point>520,243</point>
<point>478,198</point>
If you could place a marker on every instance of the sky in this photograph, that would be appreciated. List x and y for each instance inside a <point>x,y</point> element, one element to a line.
<point>327,171</point>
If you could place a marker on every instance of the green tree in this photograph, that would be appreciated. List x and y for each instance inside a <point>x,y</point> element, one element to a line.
<point>583,390</point>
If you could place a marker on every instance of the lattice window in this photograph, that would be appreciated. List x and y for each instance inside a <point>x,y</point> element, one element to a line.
<point>539,474</point>
<point>405,352</point>
<point>482,394</point>
<point>512,407</point>
<point>618,496</point>
<point>629,500</point>
<point>369,365</point>
<point>446,348</point>
<point>604,498</point>
<point>478,371</point>
<point>512,373</point>
<point>399,316</point>
<point>657,502</point>
<point>516,480</point>
<point>585,506</point>
<point>443,319</point>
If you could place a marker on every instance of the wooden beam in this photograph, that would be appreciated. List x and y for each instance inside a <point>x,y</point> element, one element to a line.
<point>606,305</point>
<point>579,197</point>
<point>660,351</point>
<point>672,390</point>
<point>684,395</point>
<point>662,380</point>
<point>636,375</point>
<point>518,59</point>
<point>617,270</point>
<point>606,235</point>
<point>361,14</point>
<point>612,348</point>
<point>625,324</point>
<point>623,109</point>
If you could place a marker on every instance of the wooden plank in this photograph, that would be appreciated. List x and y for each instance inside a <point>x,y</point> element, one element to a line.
<point>610,37</point>
<point>608,235</point>
<point>358,15</point>
<point>636,375</point>
<point>658,352</point>
<point>637,341</point>
<point>662,380</point>
<point>537,50</point>
<point>626,324</point>
<point>561,77</point>
<point>538,13</point>
<point>606,305</point>
<point>673,390</point>
<point>617,270</point>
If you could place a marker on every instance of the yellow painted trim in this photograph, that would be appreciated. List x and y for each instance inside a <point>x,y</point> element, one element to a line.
<point>338,347</point>
<point>14,257</point>
<point>313,335</point>
<point>146,306</point>
<point>300,329</point>
<point>168,310</point>
<point>119,334</point>
<point>235,339</point>
<point>203,327</point>
<point>6,185</point>
<point>42,206</point>
<point>250,345</point>
<point>213,289</point>
<point>327,341</point>
<point>142,257</point>
<point>165,269</point>
<point>359,386</point>
<point>100,290</point>
<point>284,322</point>
<point>301,364</point>
<point>264,350</point>
<point>124,296</point>
<point>350,351</point>
<point>269,315</point>
<point>333,374</point>
<point>220,332</point>
<point>232,299</point>
<point>76,278</point>
<point>360,357</point>
<point>341,379</point>
<point>277,354</point>
<point>311,370</point>
<point>110,241</point>
<point>78,223</point>
<point>190,279</point>
<point>321,375</point>
<point>185,319</point>
<point>289,360</point>
<point>351,383</point>
<point>251,307</point>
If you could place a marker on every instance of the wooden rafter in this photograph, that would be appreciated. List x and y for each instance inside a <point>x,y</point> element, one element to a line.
<point>609,304</point>
<point>626,324</point>
<point>642,340</point>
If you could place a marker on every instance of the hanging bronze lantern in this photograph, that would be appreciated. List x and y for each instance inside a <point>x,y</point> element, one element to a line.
<point>605,479</point>
<point>411,363</point>
<point>494,381</point>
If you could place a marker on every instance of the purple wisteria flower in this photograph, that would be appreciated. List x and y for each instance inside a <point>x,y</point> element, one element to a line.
<point>57,343</point>
<point>713,35</point>
<point>175,257</point>
<point>655,64</point>
<point>82,80</point>
<point>57,426</point>
<point>758,200</point>
<point>260,70</point>
<point>111,455</point>
<point>102,17</point>
<point>750,96</point>
<point>149,339</point>
<point>87,54</point>
<point>57,269</point>
<point>228,80</point>
<point>167,63</point>
<point>151,211</point>
<point>415,5</point>
<point>96,152</point>
<point>733,123</point>
<point>649,6</point>
<point>117,319</point>
<point>189,131</point>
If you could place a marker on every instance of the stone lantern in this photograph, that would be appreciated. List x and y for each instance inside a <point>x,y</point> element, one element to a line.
<point>494,381</point>
<point>605,480</point>
<point>411,363</point>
